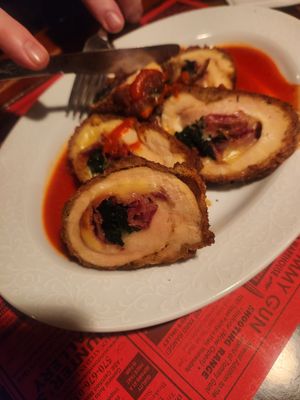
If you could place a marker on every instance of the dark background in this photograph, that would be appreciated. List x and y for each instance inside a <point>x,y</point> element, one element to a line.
<point>64,20</point>
<point>38,13</point>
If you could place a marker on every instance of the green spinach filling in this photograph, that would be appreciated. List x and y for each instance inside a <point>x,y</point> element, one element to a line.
<point>114,221</point>
<point>193,137</point>
<point>97,162</point>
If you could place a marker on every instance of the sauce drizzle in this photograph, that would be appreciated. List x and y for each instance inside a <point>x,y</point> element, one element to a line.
<point>257,72</point>
<point>112,144</point>
<point>60,189</point>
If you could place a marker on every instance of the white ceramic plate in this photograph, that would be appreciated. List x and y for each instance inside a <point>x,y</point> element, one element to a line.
<point>252,224</point>
<point>264,3</point>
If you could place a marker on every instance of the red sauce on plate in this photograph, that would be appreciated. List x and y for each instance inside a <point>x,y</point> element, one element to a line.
<point>256,72</point>
<point>60,188</point>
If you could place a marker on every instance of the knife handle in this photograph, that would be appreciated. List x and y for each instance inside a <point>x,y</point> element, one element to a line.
<point>11,70</point>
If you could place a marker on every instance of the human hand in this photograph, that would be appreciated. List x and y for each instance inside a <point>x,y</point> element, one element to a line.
<point>21,46</point>
<point>112,14</point>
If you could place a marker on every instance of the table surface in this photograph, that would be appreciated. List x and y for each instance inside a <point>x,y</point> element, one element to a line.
<point>273,368</point>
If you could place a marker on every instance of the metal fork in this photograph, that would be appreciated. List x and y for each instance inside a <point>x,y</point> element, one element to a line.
<point>86,86</point>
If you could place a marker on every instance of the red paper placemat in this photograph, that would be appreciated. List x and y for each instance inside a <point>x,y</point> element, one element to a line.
<point>171,7</point>
<point>223,351</point>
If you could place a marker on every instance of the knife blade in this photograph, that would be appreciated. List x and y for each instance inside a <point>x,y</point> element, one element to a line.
<point>117,61</point>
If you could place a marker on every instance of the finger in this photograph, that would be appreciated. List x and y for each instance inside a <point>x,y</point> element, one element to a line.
<point>132,9</point>
<point>108,13</point>
<point>19,45</point>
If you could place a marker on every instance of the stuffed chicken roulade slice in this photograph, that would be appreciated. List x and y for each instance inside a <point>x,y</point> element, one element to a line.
<point>100,140</point>
<point>202,66</point>
<point>137,215</point>
<point>239,136</point>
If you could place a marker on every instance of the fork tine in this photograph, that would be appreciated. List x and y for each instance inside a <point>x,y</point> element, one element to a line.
<point>80,98</point>
<point>83,92</point>
<point>75,95</point>
<point>100,84</point>
<point>88,86</point>
<point>77,101</point>
<point>92,90</point>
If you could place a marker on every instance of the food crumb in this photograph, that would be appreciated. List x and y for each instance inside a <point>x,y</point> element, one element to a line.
<point>208,202</point>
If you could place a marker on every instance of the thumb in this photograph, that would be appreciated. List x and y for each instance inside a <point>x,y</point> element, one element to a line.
<point>19,45</point>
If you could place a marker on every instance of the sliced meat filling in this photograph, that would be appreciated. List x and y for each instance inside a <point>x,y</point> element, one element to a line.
<point>219,136</point>
<point>112,218</point>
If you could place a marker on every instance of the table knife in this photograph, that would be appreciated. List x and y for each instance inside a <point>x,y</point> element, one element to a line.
<point>117,61</point>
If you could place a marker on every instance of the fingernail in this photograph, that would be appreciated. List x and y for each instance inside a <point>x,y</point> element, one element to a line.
<point>113,21</point>
<point>37,54</point>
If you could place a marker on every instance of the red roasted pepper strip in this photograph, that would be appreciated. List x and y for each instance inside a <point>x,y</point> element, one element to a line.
<point>146,81</point>
<point>112,144</point>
